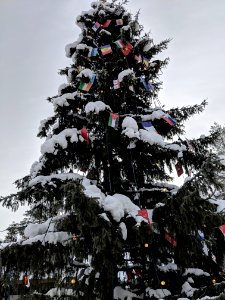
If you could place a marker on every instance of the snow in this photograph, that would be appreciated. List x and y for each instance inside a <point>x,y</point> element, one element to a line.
<point>194,271</point>
<point>158,294</point>
<point>73,45</point>
<point>124,73</point>
<point>36,229</point>
<point>188,289</point>
<point>93,191</point>
<point>95,107</point>
<point>220,204</point>
<point>86,73</point>
<point>56,292</point>
<point>61,88</point>
<point>119,205</point>
<point>48,179</point>
<point>50,237</point>
<point>62,100</point>
<point>121,294</point>
<point>59,139</point>
<point>123,228</point>
<point>104,216</point>
<point>151,136</point>
<point>131,127</point>
<point>147,47</point>
<point>168,267</point>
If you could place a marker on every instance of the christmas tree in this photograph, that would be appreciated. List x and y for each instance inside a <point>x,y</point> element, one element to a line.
<point>105,219</point>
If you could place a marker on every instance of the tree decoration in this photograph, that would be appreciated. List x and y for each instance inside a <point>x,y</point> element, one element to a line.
<point>146,214</point>
<point>106,49</point>
<point>116,84</point>
<point>170,239</point>
<point>147,85</point>
<point>119,22</point>
<point>84,134</point>
<point>87,86</point>
<point>106,24</point>
<point>96,26</point>
<point>113,120</point>
<point>169,120</point>
<point>93,52</point>
<point>179,169</point>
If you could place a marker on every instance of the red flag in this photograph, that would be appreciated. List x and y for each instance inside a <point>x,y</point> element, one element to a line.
<point>127,49</point>
<point>179,169</point>
<point>146,214</point>
<point>106,24</point>
<point>222,229</point>
<point>170,239</point>
<point>84,134</point>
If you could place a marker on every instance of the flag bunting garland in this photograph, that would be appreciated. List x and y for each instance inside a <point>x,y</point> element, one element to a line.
<point>84,134</point>
<point>96,26</point>
<point>87,86</point>
<point>106,49</point>
<point>113,120</point>
<point>179,169</point>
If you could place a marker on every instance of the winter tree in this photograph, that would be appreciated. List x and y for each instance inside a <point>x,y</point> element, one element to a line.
<point>106,220</point>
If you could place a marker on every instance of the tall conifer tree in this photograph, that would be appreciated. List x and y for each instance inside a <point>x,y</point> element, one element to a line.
<point>106,221</point>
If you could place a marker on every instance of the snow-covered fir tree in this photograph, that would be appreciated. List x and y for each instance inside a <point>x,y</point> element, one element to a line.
<point>105,219</point>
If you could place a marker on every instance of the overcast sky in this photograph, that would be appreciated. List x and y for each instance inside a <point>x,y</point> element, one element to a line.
<point>33,35</point>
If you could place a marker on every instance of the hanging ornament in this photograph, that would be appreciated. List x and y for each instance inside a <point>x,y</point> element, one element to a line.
<point>179,169</point>
<point>84,134</point>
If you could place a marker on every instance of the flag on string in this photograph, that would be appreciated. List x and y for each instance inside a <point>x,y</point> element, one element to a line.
<point>96,26</point>
<point>147,85</point>
<point>116,84</point>
<point>106,24</point>
<point>106,49</point>
<point>127,49</point>
<point>169,120</point>
<point>87,86</point>
<point>146,214</point>
<point>93,52</point>
<point>113,120</point>
<point>179,169</point>
<point>146,63</point>
<point>84,134</point>
<point>119,44</point>
<point>119,22</point>
<point>170,239</point>
<point>131,88</point>
<point>138,58</point>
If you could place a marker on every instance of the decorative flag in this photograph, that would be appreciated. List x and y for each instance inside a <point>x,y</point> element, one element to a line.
<point>138,58</point>
<point>116,84</point>
<point>93,52</point>
<point>96,26</point>
<point>147,125</point>
<point>106,49</point>
<point>170,239</point>
<point>146,63</point>
<point>190,146</point>
<point>84,134</point>
<point>222,229</point>
<point>127,49</point>
<point>87,86</point>
<point>146,214</point>
<point>169,120</point>
<point>147,85</point>
<point>113,120</point>
<point>119,44</point>
<point>179,169</point>
<point>131,88</point>
<point>119,22</point>
<point>106,24</point>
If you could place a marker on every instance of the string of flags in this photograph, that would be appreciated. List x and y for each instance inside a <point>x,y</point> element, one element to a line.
<point>125,48</point>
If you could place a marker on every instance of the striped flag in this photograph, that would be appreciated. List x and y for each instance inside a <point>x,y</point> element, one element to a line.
<point>169,120</point>
<point>113,120</point>
<point>127,49</point>
<point>87,86</point>
<point>93,52</point>
<point>147,125</point>
<point>106,49</point>
<point>119,44</point>
<point>119,22</point>
<point>146,214</point>
<point>116,84</point>
<point>147,85</point>
<point>179,169</point>
<point>106,24</point>
<point>96,26</point>
<point>170,239</point>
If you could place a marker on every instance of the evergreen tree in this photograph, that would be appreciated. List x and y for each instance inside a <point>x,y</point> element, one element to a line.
<point>106,222</point>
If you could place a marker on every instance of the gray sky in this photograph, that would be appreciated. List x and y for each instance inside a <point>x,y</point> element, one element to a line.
<point>33,35</point>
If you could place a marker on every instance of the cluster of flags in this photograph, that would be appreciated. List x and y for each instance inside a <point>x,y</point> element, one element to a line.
<point>140,59</point>
<point>87,86</point>
<point>147,85</point>
<point>97,25</point>
<point>125,48</point>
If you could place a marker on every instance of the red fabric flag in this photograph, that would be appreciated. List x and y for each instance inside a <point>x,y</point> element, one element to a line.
<point>179,169</point>
<point>222,228</point>
<point>106,24</point>
<point>170,239</point>
<point>127,49</point>
<point>84,134</point>
<point>146,214</point>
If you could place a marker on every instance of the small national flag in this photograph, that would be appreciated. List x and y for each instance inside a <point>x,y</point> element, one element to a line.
<point>113,120</point>
<point>106,24</point>
<point>147,125</point>
<point>222,229</point>
<point>169,120</point>
<point>87,86</point>
<point>96,26</point>
<point>127,49</point>
<point>106,49</point>
<point>170,239</point>
<point>190,146</point>
<point>119,22</point>
<point>146,62</point>
<point>147,85</point>
<point>146,214</point>
<point>119,44</point>
<point>116,84</point>
<point>179,169</point>
<point>84,134</point>
<point>138,58</point>
<point>93,52</point>
<point>131,88</point>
